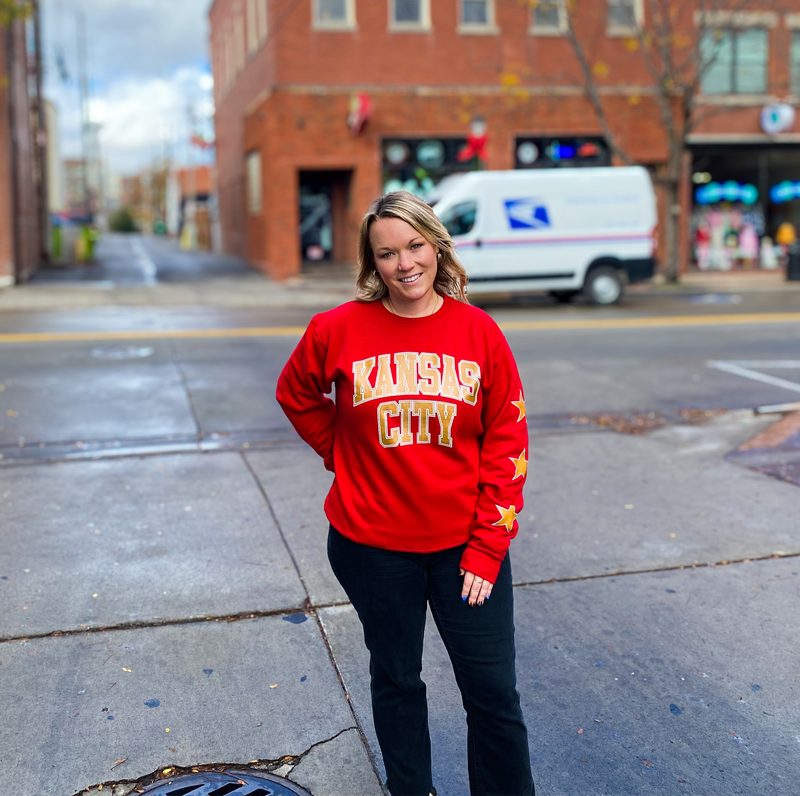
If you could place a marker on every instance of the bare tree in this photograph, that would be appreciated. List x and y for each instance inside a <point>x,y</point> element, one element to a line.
<point>678,41</point>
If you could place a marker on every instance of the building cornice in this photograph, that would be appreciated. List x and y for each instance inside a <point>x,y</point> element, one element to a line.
<point>742,138</point>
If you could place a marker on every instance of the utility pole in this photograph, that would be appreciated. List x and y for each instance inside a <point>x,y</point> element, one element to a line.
<point>83,83</point>
<point>41,141</point>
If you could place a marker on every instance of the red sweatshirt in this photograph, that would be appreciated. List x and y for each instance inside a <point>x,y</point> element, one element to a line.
<point>427,437</point>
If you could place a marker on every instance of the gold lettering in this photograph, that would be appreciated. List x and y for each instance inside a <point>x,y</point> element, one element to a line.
<point>406,366</point>
<point>362,389</point>
<point>446,412</point>
<point>384,384</point>
<point>470,375</point>
<point>450,386</point>
<point>430,379</point>
<point>406,409</point>
<point>423,410</point>
<point>386,410</point>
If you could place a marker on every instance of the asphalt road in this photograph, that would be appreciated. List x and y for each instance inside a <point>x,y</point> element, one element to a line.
<point>163,567</point>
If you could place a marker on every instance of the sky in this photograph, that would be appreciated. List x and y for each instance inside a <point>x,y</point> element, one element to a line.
<point>146,67</point>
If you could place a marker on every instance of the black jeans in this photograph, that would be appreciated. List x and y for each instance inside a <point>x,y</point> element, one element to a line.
<point>390,591</point>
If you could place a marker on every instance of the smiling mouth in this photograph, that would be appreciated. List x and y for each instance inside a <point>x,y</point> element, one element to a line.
<point>407,280</point>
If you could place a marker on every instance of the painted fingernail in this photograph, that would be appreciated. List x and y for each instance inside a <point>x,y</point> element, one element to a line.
<point>463,597</point>
<point>488,596</point>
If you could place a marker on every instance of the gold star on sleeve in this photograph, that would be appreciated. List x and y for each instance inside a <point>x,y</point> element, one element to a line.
<point>507,517</point>
<point>520,404</point>
<point>520,466</point>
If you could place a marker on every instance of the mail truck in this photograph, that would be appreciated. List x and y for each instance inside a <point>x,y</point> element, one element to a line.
<point>565,231</point>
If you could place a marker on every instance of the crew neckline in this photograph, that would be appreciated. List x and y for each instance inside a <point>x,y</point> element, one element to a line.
<point>440,313</point>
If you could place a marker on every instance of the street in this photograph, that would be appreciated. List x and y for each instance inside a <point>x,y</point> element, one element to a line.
<point>165,597</point>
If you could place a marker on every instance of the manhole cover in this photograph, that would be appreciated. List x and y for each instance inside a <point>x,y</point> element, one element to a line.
<point>122,352</point>
<point>238,783</point>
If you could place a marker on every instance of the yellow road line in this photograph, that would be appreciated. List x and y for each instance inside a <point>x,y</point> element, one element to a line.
<point>656,323</point>
<point>152,334</point>
<point>509,326</point>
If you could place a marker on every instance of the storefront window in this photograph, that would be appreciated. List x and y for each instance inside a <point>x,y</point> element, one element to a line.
<point>746,206</point>
<point>543,153</point>
<point>416,165</point>
<point>736,61</point>
<point>795,62</point>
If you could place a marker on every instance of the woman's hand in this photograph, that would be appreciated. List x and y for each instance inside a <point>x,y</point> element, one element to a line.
<point>475,589</point>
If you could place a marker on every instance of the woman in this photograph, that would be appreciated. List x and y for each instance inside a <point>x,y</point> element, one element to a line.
<point>428,443</point>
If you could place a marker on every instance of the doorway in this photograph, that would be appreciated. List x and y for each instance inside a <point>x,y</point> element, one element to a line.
<point>324,204</point>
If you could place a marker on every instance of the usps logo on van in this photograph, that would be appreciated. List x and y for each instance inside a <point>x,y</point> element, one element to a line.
<point>527,214</point>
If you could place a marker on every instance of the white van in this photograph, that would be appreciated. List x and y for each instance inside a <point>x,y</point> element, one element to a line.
<point>558,230</point>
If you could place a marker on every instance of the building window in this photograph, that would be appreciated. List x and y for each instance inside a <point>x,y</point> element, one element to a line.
<point>476,16</point>
<point>548,18</point>
<point>795,62</point>
<point>220,74</point>
<point>409,14</point>
<point>230,64</point>
<point>624,16</point>
<point>475,12</point>
<point>254,183</point>
<point>238,37</point>
<point>334,14</point>
<point>736,61</point>
<point>261,9</point>
<point>252,26</point>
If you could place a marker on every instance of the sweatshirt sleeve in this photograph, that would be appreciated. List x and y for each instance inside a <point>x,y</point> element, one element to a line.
<point>503,468</point>
<point>301,391</point>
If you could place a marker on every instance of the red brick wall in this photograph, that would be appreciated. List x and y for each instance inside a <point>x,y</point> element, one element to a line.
<point>291,102</point>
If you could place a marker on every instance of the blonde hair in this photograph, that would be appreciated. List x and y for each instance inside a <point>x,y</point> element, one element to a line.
<point>451,278</point>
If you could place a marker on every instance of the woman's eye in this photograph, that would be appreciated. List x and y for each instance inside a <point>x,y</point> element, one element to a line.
<point>416,245</point>
<point>385,255</point>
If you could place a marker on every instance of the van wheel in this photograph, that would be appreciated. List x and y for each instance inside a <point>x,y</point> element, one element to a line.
<point>602,286</point>
<point>563,296</point>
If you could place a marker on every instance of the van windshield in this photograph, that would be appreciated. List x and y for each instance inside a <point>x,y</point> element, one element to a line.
<point>460,219</point>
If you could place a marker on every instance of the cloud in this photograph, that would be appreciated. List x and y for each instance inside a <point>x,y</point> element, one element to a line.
<point>147,62</point>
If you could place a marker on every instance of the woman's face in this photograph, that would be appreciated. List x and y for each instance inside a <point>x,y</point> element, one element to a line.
<point>405,260</point>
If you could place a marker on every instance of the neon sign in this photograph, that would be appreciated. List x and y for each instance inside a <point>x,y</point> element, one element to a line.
<point>730,191</point>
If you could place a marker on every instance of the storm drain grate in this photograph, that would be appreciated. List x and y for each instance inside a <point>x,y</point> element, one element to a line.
<point>236,783</point>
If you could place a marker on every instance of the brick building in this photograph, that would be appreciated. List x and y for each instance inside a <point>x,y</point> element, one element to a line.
<point>295,79</point>
<point>23,210</point>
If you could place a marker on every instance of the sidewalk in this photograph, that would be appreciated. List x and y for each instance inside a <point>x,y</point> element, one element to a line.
<point>318,290</point>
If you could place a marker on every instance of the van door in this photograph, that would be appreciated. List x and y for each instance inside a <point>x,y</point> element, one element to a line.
<point>463,220</point>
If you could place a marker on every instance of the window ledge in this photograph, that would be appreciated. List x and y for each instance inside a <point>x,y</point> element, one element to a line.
<point>746,100</point>
<point>335,27</point>
<point>540,30</point>
<point>473,29</point>
<point>409,27</point>
<point>620,32</point>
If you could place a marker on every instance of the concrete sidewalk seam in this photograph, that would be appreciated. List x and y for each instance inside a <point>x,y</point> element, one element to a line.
<point>654,570</point>
<point>323,634</point>
<point>270,765</point>
<point>144,625</point>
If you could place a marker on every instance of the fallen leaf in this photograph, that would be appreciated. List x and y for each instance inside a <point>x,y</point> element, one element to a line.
<point>172,749</point>
<point>274,686</point>
<point>645,763</point>
<point>166,771</point>
<point>118,763</point>
<point>580,731</point>
<point>167,730</point>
